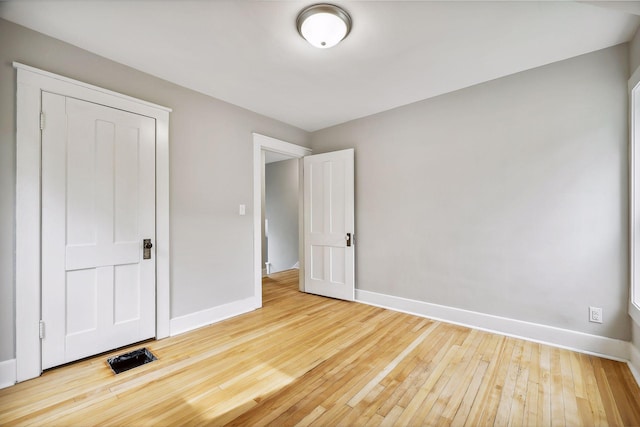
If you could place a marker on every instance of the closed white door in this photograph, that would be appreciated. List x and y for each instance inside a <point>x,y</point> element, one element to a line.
<point>98,204</point>
<point>329,225</point>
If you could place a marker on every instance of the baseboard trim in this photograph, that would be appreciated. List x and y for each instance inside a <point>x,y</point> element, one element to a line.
<point>634,362</point>
<point>585,343</point>
<point>206,317</point>
<point>7,373</point>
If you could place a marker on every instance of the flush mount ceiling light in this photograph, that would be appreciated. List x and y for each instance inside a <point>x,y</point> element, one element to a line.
<point>323,25</point>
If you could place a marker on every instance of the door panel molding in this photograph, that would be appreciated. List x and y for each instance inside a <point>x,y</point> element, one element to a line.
<point>31,82</point>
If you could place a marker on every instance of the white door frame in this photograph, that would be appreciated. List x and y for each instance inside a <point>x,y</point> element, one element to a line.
<point>31,82</point>
<point>265,143</point>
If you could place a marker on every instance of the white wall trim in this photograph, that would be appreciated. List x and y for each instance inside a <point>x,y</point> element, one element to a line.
<point>266,143</point>
<point>31,82</point>
<point>634,362</point>
<point>63,79</point>
<point>564,338</point>
<point>206,317</point>
<point>634,310</point>
<point>7,373</point>
<point>634,178</point>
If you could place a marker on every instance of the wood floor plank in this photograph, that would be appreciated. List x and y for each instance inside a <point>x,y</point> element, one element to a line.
<point>461,377</point>
<point>387,369</point>
<point>491,355</point>
<point>462,414</point>
<point>415,372</point>
<point>591,389</point>
<point>624,393</point>
<point>544,387</point>
<point>571,414</point>
<point>434,383</point>
<point>311,416</point>
<point>490,406</point>
<point>434,377</point>
<point>557,395</point>
<point>608,400</point>
<point>509,386</point>
<point>306,360</point>
<point>530,412</point>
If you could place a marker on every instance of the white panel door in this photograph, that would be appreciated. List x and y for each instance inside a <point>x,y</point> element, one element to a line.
<point>98,204</point>
<point>329,225</point>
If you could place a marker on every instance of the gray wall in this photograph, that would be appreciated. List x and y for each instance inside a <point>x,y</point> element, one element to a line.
<point>507,198</point>
<point>281,197</point>
<point>211,174</point>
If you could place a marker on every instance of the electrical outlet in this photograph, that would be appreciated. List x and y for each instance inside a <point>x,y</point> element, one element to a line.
<point>595,314</point>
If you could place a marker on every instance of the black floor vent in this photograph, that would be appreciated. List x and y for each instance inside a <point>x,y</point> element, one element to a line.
<point>131,360</point>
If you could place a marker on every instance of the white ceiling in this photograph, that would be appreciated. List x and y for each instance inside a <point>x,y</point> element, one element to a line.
<point>249,53</point>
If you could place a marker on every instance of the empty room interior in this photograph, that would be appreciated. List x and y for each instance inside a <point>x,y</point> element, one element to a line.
<point>298,213</point>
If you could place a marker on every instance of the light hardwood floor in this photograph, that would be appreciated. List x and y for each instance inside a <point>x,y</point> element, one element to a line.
<point>308,360</point>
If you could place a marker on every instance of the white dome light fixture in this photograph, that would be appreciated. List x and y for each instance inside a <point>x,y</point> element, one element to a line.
<point>323,25</point>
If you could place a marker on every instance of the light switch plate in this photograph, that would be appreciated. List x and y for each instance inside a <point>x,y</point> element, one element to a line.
<point>242,210</point>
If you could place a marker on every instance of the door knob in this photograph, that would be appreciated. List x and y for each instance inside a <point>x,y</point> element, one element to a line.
<point>146,246</point>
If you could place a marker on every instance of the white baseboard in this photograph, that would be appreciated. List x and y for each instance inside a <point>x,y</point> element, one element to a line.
<point>7,373</point>
<point>206,317</point>
<point>585,343</point>
<point>634,362</point>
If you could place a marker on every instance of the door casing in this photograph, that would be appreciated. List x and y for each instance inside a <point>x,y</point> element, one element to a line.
<point>265,143</point>
<point>31,82</point>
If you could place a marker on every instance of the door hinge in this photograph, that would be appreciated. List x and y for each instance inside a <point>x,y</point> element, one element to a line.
<point>41,120</point>
<point>41,328</point>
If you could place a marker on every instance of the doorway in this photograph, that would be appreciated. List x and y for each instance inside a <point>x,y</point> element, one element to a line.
<point>280,211</point>
<point>326,213</point>
<point>277,149</point>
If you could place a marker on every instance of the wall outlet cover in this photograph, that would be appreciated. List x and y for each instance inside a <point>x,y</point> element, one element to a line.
<point>595,314</point>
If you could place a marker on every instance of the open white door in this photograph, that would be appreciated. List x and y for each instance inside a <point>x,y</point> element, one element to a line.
<point>98,204</point>
<point>329,225</point>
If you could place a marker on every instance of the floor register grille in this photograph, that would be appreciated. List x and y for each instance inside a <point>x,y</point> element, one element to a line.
<point>130,360</point>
